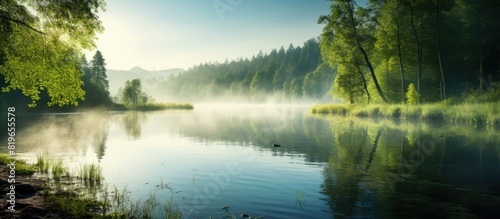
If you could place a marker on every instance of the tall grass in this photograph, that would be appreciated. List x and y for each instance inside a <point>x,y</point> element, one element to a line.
<point>90,174</point>
<point>159,106</point>
<point>122,206</point>
<point>42,163</point>
<point>481,113</point>
<point>93,200</point>
<point>58,170</point>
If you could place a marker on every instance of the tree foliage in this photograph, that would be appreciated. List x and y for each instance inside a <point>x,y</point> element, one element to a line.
<point>95,82</point>
<point>444,47</point>
<point>41,44</point>
<point>132,93</point>
<point>412,96</point>
<point>280,74</point>
<point>346,40</point>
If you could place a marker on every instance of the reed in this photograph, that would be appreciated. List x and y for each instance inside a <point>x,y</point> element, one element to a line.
<point>92,201</point>
<point>58,170</point>
<point>90,174</point>
<point>42,163</point>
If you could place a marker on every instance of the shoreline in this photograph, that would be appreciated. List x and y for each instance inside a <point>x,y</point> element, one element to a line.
<point>30,204</point>
<point>476,114</point>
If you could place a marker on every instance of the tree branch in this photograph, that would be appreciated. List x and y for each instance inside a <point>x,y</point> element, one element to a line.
<point>22,23</point>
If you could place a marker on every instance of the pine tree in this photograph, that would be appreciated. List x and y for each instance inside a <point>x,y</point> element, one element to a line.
<point>412,95</point>
<point>98,72</point>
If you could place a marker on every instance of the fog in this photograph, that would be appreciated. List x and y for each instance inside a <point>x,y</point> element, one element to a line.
<point>62,135</point>
<point>84,134</point>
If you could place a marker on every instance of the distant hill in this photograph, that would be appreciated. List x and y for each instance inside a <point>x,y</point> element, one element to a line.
<point>117,78</point>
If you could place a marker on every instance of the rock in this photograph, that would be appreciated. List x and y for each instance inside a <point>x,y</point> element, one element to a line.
<point>24,191</point>
<point>276,145</point>
<point>4,183</point>
<point>244,215</point>
<point>96,210</point>
<point>31,216</point>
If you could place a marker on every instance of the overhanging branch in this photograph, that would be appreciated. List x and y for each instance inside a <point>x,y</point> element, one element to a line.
<point>22,23</point>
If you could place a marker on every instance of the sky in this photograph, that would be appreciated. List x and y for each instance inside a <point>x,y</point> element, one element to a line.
<point>163,34</point>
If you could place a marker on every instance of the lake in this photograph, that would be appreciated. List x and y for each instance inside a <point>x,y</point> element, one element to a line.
<point>325,167</point>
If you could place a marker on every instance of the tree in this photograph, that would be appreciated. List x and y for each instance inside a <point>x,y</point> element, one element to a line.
<point>318,82</point>
<point>418,42</point>
<point>412,95</point>
<point>342,35</point>
<point>95,83</point>
<point>98,72</point>
<point>41,44</point>
<point>349,84</point>
<point>389,43</point>
<point>295,89</point>
<point>84,65</point>
<point>132,93</point>
<point>438,39</point>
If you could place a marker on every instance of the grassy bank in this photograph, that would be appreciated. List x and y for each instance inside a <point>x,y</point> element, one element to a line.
<point>21,167</point>
<point>482,113</point>
<point>84,194</point>
<point>155,106</point>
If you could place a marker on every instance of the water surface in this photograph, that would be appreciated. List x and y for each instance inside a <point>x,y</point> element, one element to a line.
<point>326,167</point>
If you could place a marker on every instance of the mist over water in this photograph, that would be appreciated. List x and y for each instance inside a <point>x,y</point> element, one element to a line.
<point>224,154</point>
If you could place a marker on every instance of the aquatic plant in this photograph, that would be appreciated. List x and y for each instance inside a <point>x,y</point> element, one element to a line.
<point>90,174</point>
<point>300,196</point>
<point>58,170</point>
<point>42,164</point>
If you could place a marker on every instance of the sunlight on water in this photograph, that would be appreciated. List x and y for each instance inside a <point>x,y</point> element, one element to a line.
<point>225,155</point>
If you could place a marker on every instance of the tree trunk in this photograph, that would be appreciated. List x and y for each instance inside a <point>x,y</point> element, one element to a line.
<point>400,56</point>
<point>364,81</point>
<point>443,85</point>
<point>418,44</point>
<point>365,55</point>
<point>480,45</point>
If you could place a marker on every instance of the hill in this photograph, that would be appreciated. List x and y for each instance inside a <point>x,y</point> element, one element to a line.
<point>117,78</point>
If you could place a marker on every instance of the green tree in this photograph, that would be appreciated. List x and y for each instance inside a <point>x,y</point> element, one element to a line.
<point>95,83</point>
<point>412,95</point>
<point>295,89</point>
<point>344,39</point>
<point>348,86</point>
<point>390,45</point>
<point>98,72</point>
<point>132,93</point>
<point>41,44</point>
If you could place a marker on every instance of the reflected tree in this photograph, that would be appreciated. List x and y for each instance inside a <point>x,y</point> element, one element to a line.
<point>131,122</point>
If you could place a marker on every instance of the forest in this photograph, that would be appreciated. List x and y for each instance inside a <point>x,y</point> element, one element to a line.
<point>445,48</point>
<point>291,75</point>
<point>390,51</point>
<point>436,49</point>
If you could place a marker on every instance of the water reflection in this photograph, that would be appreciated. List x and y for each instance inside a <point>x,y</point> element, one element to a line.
<point>131,122</point>
<point>99,137</point>
<point>366,168</point>
<point>411,170</point>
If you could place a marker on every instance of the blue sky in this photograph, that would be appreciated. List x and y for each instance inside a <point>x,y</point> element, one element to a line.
<point>162,34</point>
